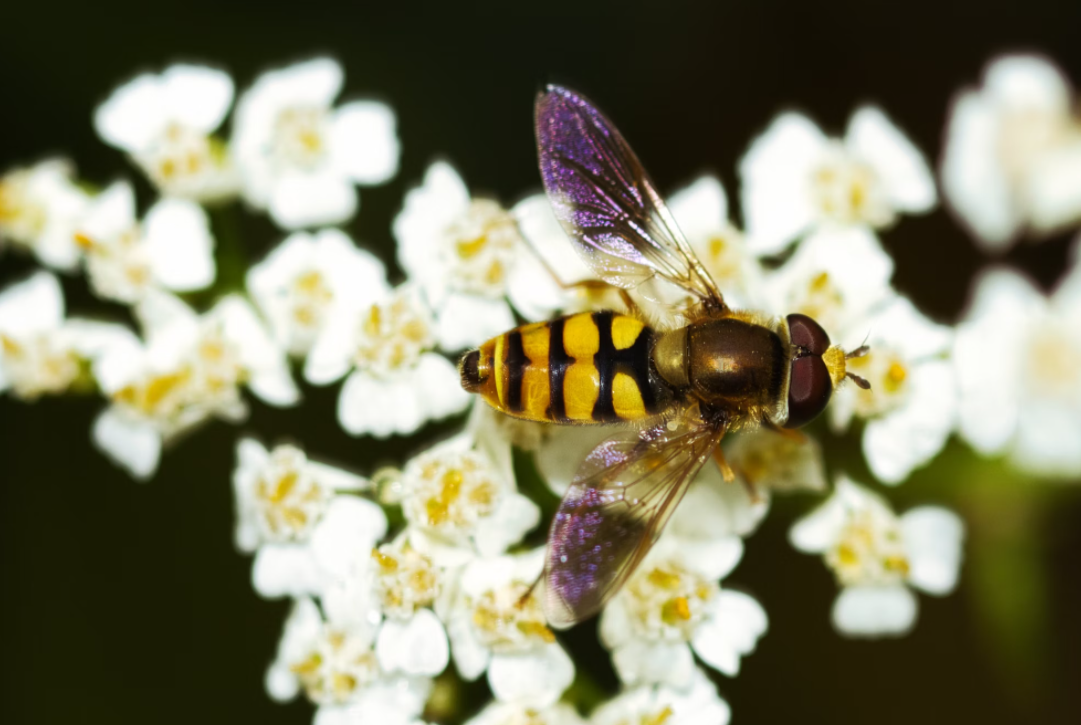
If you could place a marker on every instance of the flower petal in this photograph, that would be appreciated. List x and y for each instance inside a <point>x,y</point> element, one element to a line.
<point>364,142</point>
<point>898,163</point>
<point>641,662</point>
<point>874,611</point>
<point>735,623</point>
<point>134,445</point>
<point>933,539</point>
<point>535,679</point>
<point>416,647</point>
<point>281,570</point>
<point>179,245</point>
<point>300,200</point>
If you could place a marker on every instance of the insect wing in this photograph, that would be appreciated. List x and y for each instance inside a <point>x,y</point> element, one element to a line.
<point>606,202</point>
<point>615,509</point>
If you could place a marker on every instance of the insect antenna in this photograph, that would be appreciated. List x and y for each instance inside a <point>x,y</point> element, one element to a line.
<point>858,352</point>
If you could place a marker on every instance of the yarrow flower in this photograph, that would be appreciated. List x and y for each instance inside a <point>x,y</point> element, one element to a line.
<point>797,180</point>
<point>396,381</point>
<point>493,629</point>
<point>166,121</point>
<point>502,713</point>
<point>468,255</point>
<point>305,279</point>
<point>1016,356</point>
<point>41,352</point>
<point>1012,158</point>
<point>698,704</point>
<point>40,207</point>
<point>332,660</point>
<point>876,555</point>
<point>299,519</point>
<point>172,248</point>
<point>299,157</point>
<point>190,369</point>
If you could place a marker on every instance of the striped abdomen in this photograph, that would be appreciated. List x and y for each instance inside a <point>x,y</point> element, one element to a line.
<point>592,367</point>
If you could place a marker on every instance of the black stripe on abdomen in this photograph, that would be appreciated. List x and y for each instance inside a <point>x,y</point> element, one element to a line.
<point>632,361</point>
<point>515,362</point>
<point>558,361</point>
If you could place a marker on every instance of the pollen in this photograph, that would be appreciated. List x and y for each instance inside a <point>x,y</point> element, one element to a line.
<point>479,247</point>
<point>506,624</point>
<point>405,580</point>
<point>676,610</point>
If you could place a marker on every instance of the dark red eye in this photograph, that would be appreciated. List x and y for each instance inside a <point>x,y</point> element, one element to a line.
<point>807,334</point>
<point>809,389</point>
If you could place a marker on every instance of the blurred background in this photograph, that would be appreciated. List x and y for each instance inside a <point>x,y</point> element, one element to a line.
<point>127,603</point>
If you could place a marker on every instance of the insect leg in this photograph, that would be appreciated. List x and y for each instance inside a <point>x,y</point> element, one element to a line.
<point>790,433</point>
<point>722,463</point>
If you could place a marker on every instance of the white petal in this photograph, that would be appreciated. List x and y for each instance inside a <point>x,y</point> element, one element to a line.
<point>416,647</point>
<point>368,405</point>
<point>701,208</point>
<point>641,662</point>
<point>350,527</point>
<point>280,682</point>
<point>536,679</point>
<point>470,656</point>
<point>331,356</point>
<point>933,539</point>
<point>281,570</point>
<point>816,532</point>
<point>428,209</point>
<point>112,212</point>
<point>134,445</point>
<point>311,199</point>
<point>732,629</point>
<point>1053,193</point>
<point>34,305</point>
<point>546,237</point>
<point>515,516</point>
<point>364,142</point>
<point>178,241</point>
<point>197,96</point>
<point>439,386</point>
<point>898,163</point>
<point>468,321</point>
<point>874,611</point>
<point>775,175</point>
<point>133,115</point>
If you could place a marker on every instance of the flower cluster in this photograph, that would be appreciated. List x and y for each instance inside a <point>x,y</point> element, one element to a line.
<point>382,613</point>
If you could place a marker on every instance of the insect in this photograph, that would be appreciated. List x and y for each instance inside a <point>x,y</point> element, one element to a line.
<point>678,385</point>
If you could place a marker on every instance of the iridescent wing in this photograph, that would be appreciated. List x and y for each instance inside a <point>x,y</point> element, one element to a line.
<point>615,509</point>
<point>606,202</point>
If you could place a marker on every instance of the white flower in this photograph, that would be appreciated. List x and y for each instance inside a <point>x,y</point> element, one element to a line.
<point>171,249</point>
<point>874,555</point>
<point>468,256</point>
<point>291,513</point>
<point>333,662</point>
<point>836,277</point>
<point>911,407</point>
<point>1016,356</point>
<point>1012,158</point>
<point>41,352</point>
<point>189,370</point>
<point>767,461</point>
<point>460,499</point>
<point>701,210</point>
<point>674,604</point>
<point>40,207</point>
<point>395,383</point>
<point>698,704</point>
<point>796,179</point>
<point>492,629</point>
<point>299,157</point>
<point>502,713</point>
<point>303,280</point>
<point>165,123</point>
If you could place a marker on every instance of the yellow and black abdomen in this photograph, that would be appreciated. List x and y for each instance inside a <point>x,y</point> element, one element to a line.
<point>592,367</point>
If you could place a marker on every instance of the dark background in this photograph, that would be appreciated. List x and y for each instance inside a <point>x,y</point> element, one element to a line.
<point>127,603</point>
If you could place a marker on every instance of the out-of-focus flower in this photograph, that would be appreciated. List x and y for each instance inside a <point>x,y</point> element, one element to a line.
<point>492,629</point>
<point>698,704</point>
<point>502,713</point>
<point>301,283</point>
<point>41,352</point>
<point>701,210</point>
<point>299,157</point>
<point>291,513</point>
<point>838,278</point>
<point>460,498</point>
<point>796,179</point>
<point>1012,157</point>
<point>674,603</point>
<point>1016,356</point>
<point>172,249</point>
<point>468,256</point>
<point>874,555</point>
<point>911,408</point>
<point>396,382</point>
<point>40,207</point>
<point>189,370</point>
<point>333,661</point>
<point>165,123</point>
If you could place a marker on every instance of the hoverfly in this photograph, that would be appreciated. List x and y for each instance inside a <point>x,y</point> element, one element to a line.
<point>680,384</point>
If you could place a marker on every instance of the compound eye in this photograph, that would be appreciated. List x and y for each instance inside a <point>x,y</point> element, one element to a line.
<point>807,334</point>
<point>809,390</point>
